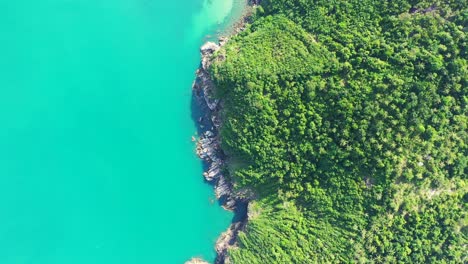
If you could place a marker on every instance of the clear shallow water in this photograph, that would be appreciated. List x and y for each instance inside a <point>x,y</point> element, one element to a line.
<point>96,159</point>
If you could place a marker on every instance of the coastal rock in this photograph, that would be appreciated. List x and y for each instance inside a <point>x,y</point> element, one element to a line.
<point>230,203</point>
<point>224,192</point>
<point>209,47</point>
<point>207,50</point>
<point>203,83</point>
<point>216,122</point>
<point>214,171</point>
<point>209,150</point>
<point>223,41</point>
<point>212,103</point>
<point>227,240</point>
<point>207,86</point>
<point>222,188</point>
<point>208,134</point>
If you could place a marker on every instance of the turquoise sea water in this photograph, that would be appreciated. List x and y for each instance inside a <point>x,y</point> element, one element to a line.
<point>96,159</point>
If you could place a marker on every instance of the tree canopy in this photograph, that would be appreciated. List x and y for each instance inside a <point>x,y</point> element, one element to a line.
<point>349,120</point>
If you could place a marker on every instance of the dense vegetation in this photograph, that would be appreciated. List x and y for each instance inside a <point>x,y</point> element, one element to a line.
<point>349,120</point>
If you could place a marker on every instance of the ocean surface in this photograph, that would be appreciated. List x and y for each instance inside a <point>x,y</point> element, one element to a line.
<point>97,164</point>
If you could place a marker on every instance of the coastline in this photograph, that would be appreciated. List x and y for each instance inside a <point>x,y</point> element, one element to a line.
<point>209,150</point>
<point>320,193</point>
<point>208,147</point>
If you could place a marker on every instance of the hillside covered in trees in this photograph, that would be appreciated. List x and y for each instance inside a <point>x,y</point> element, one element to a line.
<point>349,121</point>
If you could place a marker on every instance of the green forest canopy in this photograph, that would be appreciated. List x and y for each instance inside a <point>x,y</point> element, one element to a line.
<point>349,120</point>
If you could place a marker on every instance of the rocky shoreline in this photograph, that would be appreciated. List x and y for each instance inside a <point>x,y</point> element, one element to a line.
<point>208,145</point>
<point>209,150</point>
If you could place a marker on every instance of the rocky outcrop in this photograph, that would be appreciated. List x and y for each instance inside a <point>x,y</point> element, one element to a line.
<point>209,150</point>
<point>206,51</point>
<point>208,146</point>
<point>227,240</point>
<point>203,80</point>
